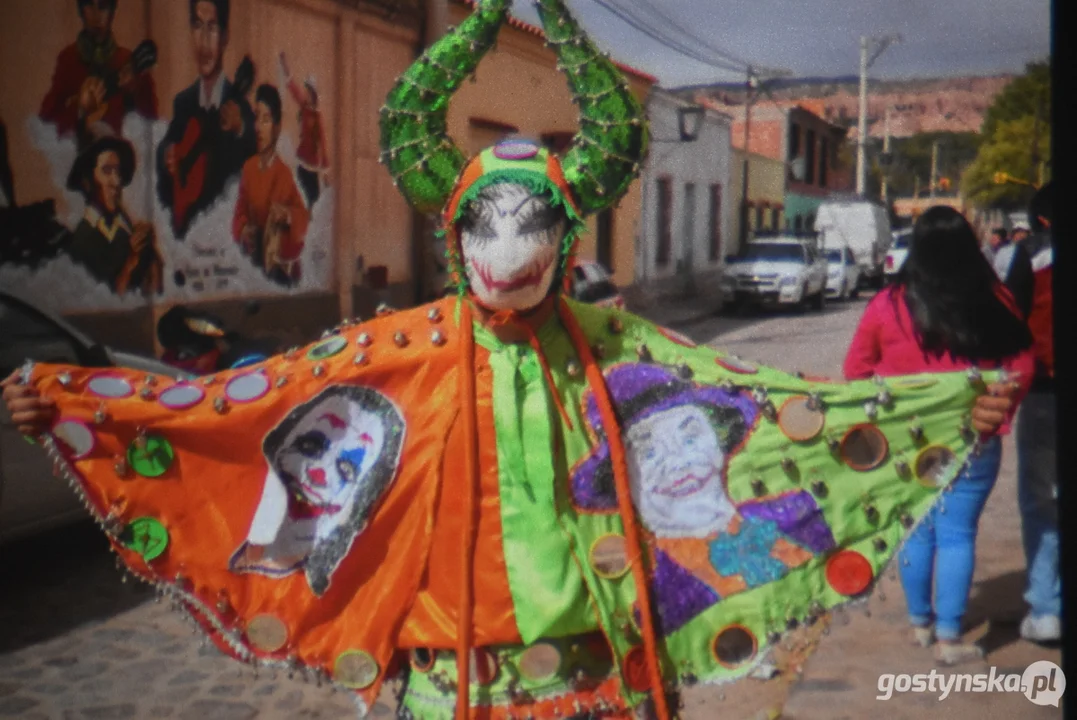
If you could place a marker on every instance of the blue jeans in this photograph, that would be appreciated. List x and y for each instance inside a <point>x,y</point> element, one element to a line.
<point>1037,497</point>
<point>943,547</point>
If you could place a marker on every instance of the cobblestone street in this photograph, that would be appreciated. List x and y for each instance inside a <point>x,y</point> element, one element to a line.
<point>77,643</point>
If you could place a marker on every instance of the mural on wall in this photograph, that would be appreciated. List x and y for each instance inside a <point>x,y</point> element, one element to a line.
<point>215,200</point>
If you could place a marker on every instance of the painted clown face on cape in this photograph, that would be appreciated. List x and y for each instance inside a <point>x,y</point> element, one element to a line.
<point>330,461</point>
<point>679,438</point>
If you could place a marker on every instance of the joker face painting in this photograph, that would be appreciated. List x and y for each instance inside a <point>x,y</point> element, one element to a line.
<point>675,462</point>
<point>330,461</point>
<point>510,240</point>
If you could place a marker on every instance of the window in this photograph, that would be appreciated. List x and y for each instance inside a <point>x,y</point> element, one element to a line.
<point>809,157</point>
<point>716,223</point>
<point>824,161</point>
<point>794,141</point>
<point>604,238</point>
<point>798,223</point>
<point>759,217</point>
<point>689,224</point>
<point>665,221</point>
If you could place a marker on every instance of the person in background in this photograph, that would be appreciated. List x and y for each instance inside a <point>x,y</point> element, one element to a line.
<point>1037,473</point>
<point>313,154</point>
<point>946,311</point>
<point>1013,265</point>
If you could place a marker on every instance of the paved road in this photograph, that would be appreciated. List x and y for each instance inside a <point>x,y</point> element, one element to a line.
<point>76,643</point>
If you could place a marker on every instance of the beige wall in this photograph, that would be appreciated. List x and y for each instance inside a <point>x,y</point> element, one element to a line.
<point>766,183</point>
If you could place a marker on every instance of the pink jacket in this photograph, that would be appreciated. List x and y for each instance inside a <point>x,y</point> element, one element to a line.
<point>885,344</point>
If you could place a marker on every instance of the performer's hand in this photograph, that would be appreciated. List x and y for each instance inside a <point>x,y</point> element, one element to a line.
<point>31,413</point>
<point>125,75</point>
<point>231,118</point>
<point>171,162</point>
<point>992,408</point>
<point>141,237</point>
<point>91,95</point>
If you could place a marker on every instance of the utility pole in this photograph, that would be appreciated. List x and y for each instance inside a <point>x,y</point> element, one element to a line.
<point>870,50</point>
<point>934,166</point>
<point>747,158</point>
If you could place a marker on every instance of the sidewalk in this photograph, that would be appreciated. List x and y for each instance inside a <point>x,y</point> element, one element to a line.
<point>677,312</point>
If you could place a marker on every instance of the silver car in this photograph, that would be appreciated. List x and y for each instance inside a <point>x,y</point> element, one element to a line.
<point>29,502</point>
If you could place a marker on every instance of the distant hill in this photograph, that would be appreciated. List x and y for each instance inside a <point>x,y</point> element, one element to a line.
<point>917,105</point>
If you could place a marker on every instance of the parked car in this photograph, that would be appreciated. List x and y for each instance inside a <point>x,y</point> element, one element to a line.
<point>899,250</point>
<point>591,283</point>
<point>780,270</point>
<point>861,225</point>
<point>29,503</point>
<point>842,274</point>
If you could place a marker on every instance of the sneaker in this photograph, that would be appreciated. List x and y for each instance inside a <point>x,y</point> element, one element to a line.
<point>955,653</point>
<point>923,636</point>
<point>1042,628</point>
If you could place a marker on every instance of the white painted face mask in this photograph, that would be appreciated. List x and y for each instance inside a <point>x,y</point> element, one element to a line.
<point>510,239</point>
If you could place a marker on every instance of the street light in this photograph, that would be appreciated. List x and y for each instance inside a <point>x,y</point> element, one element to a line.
<point>689,123</point>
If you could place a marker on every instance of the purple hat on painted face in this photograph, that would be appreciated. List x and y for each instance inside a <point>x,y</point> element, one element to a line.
<point>639,391</point>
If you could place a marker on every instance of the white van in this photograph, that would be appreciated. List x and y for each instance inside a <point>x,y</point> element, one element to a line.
<point>862,226</point>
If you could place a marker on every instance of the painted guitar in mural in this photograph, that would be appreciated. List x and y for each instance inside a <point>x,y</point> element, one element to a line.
<point>143,59</point>
<point>193,149</point>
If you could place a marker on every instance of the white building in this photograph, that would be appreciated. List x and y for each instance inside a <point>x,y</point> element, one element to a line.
<point>687,215</point>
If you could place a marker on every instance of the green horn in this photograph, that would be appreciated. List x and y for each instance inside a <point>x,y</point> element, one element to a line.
<point>612,141</point>
<point>423,160</point>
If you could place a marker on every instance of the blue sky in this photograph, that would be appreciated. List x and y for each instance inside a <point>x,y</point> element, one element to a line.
<point>821,37</point>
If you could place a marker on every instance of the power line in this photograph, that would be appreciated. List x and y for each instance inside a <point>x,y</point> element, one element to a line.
<point>675,25</point>
<point>666,41</point>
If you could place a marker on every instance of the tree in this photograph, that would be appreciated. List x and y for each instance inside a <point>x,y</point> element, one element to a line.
<point>1023,96</point>
<point>1009,151</point>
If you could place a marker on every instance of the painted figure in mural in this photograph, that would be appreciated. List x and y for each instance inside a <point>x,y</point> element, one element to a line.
<point>114,249</point>
<point>313,153</point>
<point>484,566</point>
<point>30,233</point>
<point>270,220</point>
<point>97,80</point>
<point>211,133</point>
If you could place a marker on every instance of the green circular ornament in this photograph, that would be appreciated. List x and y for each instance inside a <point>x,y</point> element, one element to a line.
<point>146,536</point>
<point>150,457</point>
<point>327,348</point>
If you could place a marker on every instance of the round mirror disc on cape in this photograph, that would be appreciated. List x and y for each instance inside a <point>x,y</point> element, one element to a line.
<point>516,149</point>
<point>152,459</point>
<point>799,421</point>
<point>932,464</point>
<point>267,633</point>
<point>609,556</point>
<point>110,386</point>
<point>145,536</point>
<point>355,669</point>
<point>247,388</point>
<point>540,661</point>
<point>182,396</point>
<point>849,573</point>
<point>484,666</point>
<point>327,348</point>
<point>677,337</point>
<point>635,670</point>
<point>75,436</point>
<point>734,645</point>
<point>741,367</point>
<point>864,448</point>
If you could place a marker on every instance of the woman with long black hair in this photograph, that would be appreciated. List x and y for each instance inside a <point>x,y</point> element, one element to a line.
<point>946,311</point>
